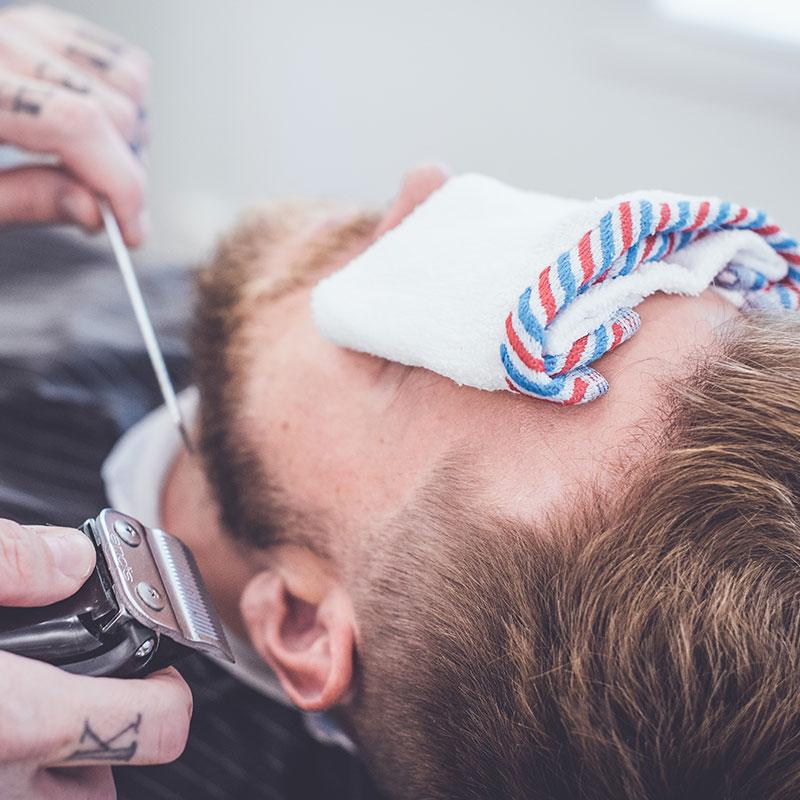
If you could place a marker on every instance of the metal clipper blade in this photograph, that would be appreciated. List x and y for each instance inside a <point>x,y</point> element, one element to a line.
<point>157,582</point>
<point>191,603</point>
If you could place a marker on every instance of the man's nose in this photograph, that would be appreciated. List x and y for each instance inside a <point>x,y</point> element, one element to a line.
<point>417,185</point>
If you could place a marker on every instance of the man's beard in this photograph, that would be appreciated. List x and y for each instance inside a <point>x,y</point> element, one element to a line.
<point>246,276</point>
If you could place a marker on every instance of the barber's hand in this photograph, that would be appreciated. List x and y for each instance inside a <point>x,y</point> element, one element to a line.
<point>59,732</point>
<point>71,90</point>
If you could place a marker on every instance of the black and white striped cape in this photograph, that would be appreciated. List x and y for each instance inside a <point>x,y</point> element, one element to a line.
<point>73,376</point>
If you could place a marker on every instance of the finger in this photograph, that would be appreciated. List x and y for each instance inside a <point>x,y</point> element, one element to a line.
<point>157,722</point>
<point>115,70</point>
<point>41,565</point>
<point>46,119</point>
<point>23,55</point>
<point>79,783</point>
<point>46,195</point>
<point>91,31</point>
<point>121,67</point>
<point>60,719</point>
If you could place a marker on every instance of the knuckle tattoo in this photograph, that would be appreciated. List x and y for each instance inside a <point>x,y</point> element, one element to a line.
<point>51,72</point>
<point>120,746</point>
<point>19,98</point>
<point>89,58</point>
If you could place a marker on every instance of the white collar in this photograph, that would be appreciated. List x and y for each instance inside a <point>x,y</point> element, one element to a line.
<point>134,474</point>
<point>135,470</point>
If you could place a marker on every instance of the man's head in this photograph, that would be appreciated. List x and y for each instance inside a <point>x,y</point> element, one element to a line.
<point>503,597</point>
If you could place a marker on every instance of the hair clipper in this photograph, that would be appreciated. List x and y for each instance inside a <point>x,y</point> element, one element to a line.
<point>144,605</point>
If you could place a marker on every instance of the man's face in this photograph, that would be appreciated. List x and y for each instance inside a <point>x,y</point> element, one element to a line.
<point>349,437</point>
<point>412,586</point>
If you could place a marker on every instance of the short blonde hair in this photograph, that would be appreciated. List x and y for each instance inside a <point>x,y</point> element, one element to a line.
<point>648,648</point>
<point>268,253</point>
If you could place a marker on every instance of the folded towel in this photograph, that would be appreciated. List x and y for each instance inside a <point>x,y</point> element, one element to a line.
<point>499,288</point>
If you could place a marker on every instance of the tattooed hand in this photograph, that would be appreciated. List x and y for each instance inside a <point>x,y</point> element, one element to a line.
<point>70,90</point>
<point>59,733</point>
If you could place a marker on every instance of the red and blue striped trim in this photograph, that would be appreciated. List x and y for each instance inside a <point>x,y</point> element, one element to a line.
<point>635,231</point>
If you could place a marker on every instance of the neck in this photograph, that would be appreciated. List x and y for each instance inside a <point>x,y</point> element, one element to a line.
<point>189,512</point>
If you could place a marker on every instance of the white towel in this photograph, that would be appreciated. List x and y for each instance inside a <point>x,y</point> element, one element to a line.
<point>492,286</point>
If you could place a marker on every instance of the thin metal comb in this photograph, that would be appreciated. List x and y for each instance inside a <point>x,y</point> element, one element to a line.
<point>143,320</point>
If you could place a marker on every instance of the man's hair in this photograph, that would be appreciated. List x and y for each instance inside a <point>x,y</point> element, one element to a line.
<point>643,644</point>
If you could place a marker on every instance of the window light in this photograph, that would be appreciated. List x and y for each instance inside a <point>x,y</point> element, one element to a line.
<point>775,19</point>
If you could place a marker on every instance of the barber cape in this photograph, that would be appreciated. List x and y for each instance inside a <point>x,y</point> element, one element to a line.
<point>73,376</point>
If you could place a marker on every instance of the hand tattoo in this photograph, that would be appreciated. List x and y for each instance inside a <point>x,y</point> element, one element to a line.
<point>95,748</point>
<point>87,58</point>
<point>48,71</point>
<point>21,99</point>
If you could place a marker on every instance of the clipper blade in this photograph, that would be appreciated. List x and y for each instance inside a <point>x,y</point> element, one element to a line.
<point>194,611</point>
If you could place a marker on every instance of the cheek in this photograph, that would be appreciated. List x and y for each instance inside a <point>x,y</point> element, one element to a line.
<point>317,417</point>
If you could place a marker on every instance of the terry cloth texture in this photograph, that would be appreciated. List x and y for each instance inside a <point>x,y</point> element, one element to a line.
<point>499,288</point>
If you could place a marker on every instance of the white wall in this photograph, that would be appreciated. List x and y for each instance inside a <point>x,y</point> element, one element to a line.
<point>259,98</point>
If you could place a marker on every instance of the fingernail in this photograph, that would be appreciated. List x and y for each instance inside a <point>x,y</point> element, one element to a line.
<point>72,551</point>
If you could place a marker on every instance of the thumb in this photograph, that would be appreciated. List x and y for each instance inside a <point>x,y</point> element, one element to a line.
<point>46,194</point>
<point>39,565</point>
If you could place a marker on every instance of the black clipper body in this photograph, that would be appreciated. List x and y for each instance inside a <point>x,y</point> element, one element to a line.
<point>143,607</point>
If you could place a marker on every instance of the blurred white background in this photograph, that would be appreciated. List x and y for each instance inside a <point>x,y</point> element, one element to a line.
<point>255,99</point>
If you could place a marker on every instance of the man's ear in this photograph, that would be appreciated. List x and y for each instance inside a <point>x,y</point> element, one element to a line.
<point>301,622</point>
